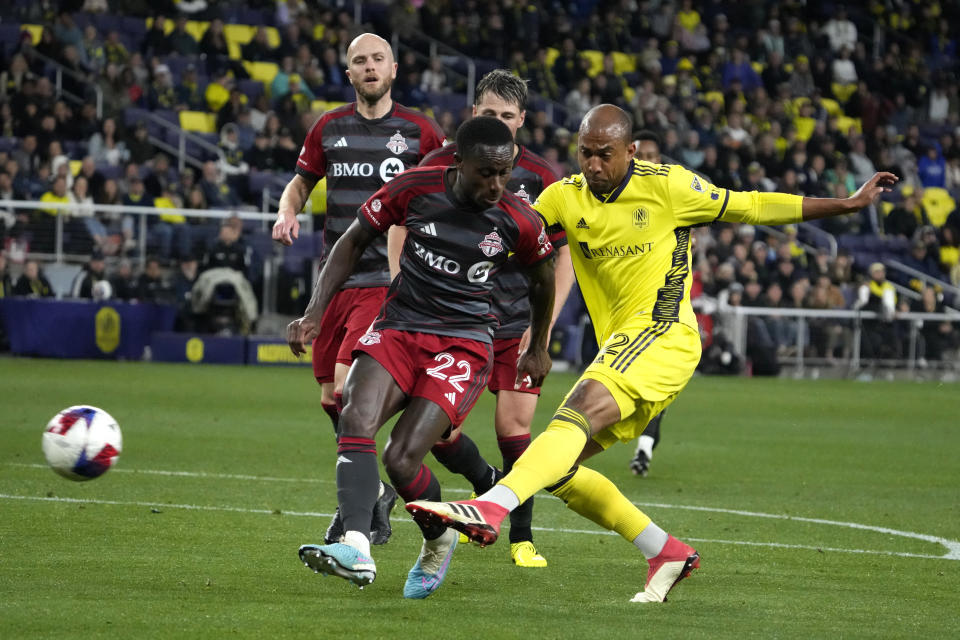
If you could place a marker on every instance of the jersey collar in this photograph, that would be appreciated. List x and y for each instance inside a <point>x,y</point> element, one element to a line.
<point>613,195</point>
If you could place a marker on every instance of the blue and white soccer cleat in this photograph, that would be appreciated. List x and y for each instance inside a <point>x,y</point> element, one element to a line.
<point>340,559</point>
<point>431,568</point>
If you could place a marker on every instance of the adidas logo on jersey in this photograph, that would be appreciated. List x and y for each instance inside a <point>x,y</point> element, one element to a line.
<point>342,142</point>
<point>429,229</point>
<point>582,224</point>
<point>451,397</point>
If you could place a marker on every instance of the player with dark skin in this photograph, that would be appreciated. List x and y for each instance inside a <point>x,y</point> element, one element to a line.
<point>372,394</point>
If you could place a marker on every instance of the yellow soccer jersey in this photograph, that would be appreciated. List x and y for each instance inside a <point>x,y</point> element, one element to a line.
<point>631,248</point>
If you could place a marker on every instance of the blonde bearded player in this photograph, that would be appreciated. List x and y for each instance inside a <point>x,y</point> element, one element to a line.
<point>628,225</point>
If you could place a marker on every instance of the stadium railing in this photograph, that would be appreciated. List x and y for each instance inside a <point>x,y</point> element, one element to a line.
<point>733,324</point>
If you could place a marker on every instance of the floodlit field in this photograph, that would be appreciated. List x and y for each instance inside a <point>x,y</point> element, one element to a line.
<point>820,509</point>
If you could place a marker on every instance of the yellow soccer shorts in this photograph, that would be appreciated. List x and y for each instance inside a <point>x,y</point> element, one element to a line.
<point>644,365</point>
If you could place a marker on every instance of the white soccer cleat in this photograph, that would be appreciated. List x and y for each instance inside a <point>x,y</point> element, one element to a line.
<point>675,562</point>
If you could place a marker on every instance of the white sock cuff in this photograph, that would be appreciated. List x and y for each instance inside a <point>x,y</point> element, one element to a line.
<point>358,540</point>
<point>651,541</point>
<point>502,496</point>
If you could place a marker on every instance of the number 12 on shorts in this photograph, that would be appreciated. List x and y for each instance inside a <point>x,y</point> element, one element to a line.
<point>446,361</point>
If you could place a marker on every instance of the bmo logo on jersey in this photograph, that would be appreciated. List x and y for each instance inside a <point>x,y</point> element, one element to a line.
<point>478,272</point>
<point>351,170</point>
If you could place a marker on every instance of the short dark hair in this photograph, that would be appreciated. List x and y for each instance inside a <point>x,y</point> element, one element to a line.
<point>646,134</point>
<point>482,131</point>
<point>502,83</point>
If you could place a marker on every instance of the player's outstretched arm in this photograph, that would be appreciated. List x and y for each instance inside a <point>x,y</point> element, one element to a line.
<point>287,228</point>
<point>535,361</point>
<point>880,182</point>
<point>341,262</point>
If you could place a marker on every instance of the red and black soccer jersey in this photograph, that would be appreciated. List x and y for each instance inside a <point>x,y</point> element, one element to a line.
<point>531,175</point>
<point>358,156</point>
<point>452,254</point>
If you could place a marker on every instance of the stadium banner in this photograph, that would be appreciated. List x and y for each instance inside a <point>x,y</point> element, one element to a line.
<point>168,346</point>
<point>272,351</point>
<point>82,328</point>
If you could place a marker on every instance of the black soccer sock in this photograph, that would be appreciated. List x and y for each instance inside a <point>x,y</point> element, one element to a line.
<point>424,486</point>
<point>462,456</point>
<point>653,428</point>
<point>521,518</point>
<point>358,482</point>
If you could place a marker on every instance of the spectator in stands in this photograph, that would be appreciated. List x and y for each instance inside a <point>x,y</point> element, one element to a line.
<point>188,92</point>
<point>259,48</point>
<point>218,193</point>
<point>155,43</point>
<point>6,284</point>
<point>27,156</point>
<point>122,282</point>
<point>261,156</point>
<point>434,78</point>
<point>162,94</point>
<point>334,74</point>
<point>578,101</point>
<point>569,67</point>
<point>738,69</point>
<point>106,146</point>
<point>877,295</point>
<point>182,286</point>
<point>115,91</point>
<point>230,111</point>
<point>932,167</point>
<point>840,31</point>
<point>93,272</point>
<point>150,284</point>
<point>11,79</point>
<point>217,92</point>
<point>139,147</point>
<point>32,283</point>
<point>115,52</point>
<point>214,46</point>
<point>180,41</point>
<point>938,337</point>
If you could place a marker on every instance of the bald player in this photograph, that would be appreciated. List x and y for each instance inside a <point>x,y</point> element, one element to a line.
<point>630,221</point>
<point>358,148</point>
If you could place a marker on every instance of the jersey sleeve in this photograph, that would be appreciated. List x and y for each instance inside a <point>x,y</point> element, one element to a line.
<point>385,208</point>
<point>432,137</point>
<point>312,162</point>
<point>693,199</point>
<point>549,206</point>
<point>533,245</point>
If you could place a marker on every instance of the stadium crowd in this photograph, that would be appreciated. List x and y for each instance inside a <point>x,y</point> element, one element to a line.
<point>805,97</point>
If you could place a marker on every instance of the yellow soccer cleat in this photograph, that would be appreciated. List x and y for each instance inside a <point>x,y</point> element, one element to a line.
<point>524,554</point>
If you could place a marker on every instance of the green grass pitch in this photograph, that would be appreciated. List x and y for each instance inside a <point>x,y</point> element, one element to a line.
<point>819,509</point>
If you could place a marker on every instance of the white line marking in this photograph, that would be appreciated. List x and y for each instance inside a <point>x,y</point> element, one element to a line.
<point>952,546</point>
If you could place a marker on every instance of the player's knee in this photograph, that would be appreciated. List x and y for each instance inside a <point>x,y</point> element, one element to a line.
<point>401,463</point>
<point>357,421</point>
<point>511,426</point>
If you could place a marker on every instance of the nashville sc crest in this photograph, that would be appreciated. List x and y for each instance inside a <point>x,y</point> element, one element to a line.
<point>491,244</point>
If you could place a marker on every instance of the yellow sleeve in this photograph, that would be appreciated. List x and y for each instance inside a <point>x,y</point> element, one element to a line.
<point>694,200</point>
<point>550,206</point>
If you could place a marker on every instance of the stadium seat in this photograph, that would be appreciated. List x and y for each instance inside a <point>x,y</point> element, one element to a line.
<point>236,36</point>
<point>253,89</point>
<point>552,55</point>
<point>197,28</point>
<point>714,96</point>
<point>35,31</point>
<point>845,123</point>
<point>168,26</point>
<point>595,58</point>
<point>265,72</point>
<point>805,127</point>
<point>9,37</point>
<point>843,91</point>
<point>832,107</point>
<point>624,63</point>
<point>199,121</point>
<point>938,203</point>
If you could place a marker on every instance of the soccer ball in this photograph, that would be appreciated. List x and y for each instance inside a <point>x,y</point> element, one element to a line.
<point>82,442</point>
<point>102,290</point>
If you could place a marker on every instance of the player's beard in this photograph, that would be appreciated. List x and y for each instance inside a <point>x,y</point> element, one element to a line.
<point>372,96</point>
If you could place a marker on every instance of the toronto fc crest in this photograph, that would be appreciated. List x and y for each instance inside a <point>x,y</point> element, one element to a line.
<point>397,143</point>
<point>491,244</point>
<point>522,194</point>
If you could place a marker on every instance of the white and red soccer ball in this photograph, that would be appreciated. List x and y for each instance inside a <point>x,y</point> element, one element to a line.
<point>82,442</point>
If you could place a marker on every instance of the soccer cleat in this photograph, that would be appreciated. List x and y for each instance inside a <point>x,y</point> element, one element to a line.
<point>524,554</point>
<point>478,519</point>
<point>339,559</point>
<point>640,465</point>
<point>675,562</point>
<point>428,573</point>
<point>335,531</point>
<point>380,525</point>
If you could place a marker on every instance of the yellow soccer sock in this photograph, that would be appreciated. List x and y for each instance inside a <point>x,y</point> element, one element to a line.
<point>594,497</point>
<point>550,455</point>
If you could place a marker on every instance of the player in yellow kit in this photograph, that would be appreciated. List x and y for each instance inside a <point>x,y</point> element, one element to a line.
<point>628,225</point>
